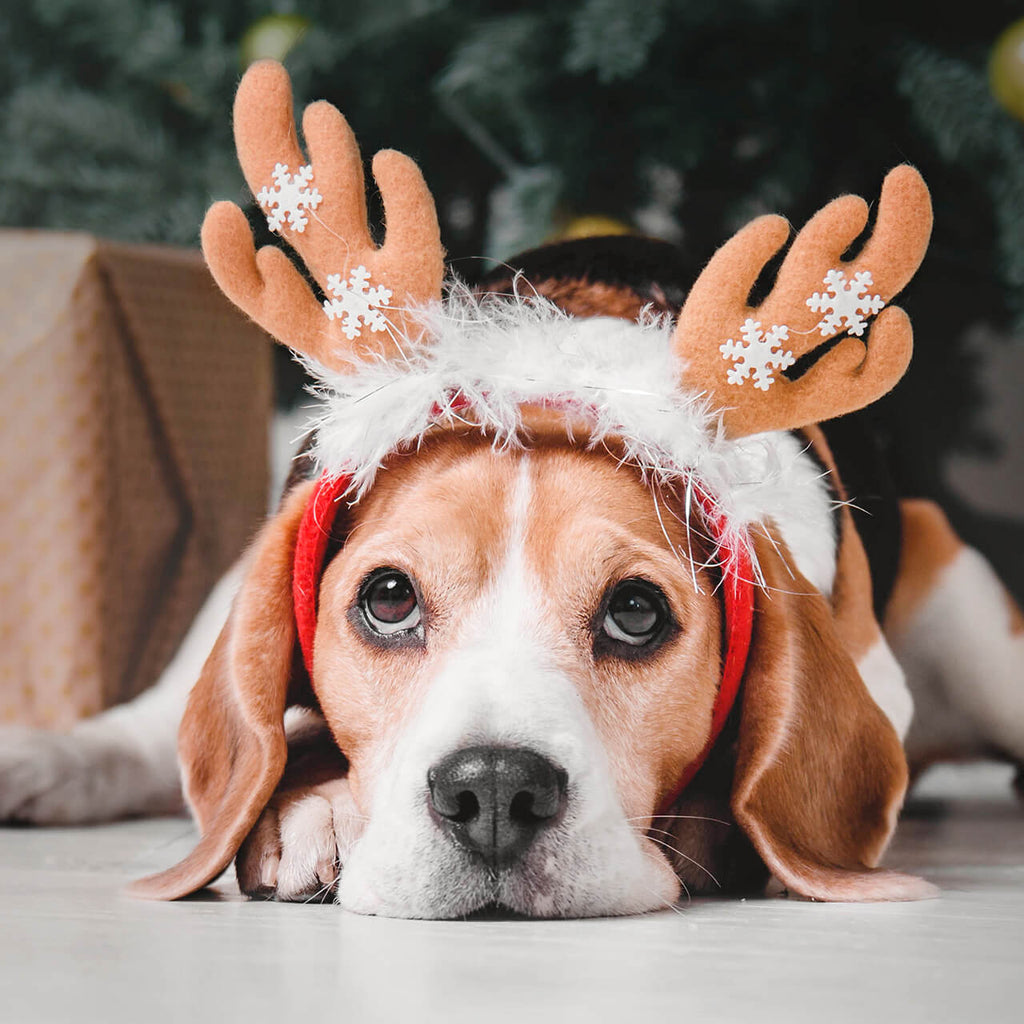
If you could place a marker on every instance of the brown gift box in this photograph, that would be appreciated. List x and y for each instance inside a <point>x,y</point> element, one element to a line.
<point>134,404</point>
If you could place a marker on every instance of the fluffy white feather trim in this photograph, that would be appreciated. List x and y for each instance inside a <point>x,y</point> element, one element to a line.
<point>491,354</point>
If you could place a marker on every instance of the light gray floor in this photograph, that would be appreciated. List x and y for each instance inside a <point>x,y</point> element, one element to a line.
<point>73,948</point>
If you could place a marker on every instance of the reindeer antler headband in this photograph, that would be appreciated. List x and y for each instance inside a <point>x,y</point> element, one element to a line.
<point>390,353</point>
<point>394,359</point>
<point>704,404</point>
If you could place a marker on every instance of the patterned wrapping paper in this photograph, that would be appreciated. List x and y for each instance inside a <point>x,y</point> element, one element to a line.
<point>134,406</point>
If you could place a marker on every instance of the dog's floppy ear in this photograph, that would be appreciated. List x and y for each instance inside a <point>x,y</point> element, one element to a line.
<point>820,771</point>
<point>232,742</point>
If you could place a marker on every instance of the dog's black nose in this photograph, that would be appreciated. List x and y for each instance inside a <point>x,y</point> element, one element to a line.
<point>494,800</point>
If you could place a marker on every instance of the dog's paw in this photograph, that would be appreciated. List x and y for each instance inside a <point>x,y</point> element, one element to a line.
<point>93,773</point>
<point>296,850</point>
<point>45,776</point>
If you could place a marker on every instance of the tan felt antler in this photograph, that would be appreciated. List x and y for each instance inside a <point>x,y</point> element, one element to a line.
<point>739,354</point>
<point>320,209</point>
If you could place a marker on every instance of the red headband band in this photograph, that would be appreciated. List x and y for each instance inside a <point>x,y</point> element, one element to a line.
<point>737,597</point>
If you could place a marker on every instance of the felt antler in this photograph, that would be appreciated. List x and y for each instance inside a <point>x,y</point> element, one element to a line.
<point>816,296</point>
<point>320,208</point>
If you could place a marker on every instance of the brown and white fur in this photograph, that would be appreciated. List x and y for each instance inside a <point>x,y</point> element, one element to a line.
<point>513,551</point>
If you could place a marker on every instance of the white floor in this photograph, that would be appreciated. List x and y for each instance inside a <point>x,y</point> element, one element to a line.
<point>73,948</point>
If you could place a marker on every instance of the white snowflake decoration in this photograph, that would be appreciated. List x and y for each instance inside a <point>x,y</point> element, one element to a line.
<point>845,301</point>
<point>290,198</point>
<point>761,354</point>
<point>356,305</point>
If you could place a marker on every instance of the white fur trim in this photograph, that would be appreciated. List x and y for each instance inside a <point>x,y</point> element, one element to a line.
<point>500,352</point>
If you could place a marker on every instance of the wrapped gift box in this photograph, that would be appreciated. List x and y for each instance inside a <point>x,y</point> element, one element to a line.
<point>134,405</point>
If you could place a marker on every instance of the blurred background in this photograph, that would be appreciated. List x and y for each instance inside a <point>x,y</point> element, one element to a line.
<point>537,120</point>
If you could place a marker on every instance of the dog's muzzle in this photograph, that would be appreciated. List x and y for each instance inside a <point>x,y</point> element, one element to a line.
<point>493,801</point>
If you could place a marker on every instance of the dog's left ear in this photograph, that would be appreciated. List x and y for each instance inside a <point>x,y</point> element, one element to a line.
<point>820,771</point>
<point>232,742</point>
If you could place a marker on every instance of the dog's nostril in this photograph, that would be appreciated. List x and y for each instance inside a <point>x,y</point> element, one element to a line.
<point>529,806</point>
<point>449,795</point>
<point>521,808</point>
<point>494,800</point>
<point>467,807</point>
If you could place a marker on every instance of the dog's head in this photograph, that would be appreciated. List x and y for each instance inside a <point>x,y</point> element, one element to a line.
<point>519,609</point>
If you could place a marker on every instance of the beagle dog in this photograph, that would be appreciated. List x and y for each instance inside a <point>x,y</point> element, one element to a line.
<point>565,608</point>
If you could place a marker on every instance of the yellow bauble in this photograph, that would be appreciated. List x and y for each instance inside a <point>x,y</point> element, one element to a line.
<point>589,226</point>
<point>273,36</point>
<point>1006,69</point>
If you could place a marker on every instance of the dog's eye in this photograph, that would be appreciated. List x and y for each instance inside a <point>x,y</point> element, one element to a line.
<point>389,604</point>
<point>637,613</point>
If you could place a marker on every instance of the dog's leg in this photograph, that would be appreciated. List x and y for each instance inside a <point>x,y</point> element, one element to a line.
<point>122,761</point>
<point>960,638</point>
<point>297,848</point>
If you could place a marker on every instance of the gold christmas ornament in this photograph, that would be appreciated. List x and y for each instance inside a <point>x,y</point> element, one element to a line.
<point>273,36</point>
<point>590,225</point>
<point>1006,69</point>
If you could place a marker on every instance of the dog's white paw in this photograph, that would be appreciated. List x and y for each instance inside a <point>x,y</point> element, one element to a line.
<point>55,778</point>
<point>297,848</point>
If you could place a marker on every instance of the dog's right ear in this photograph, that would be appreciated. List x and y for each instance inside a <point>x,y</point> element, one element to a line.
<point>232,741</point>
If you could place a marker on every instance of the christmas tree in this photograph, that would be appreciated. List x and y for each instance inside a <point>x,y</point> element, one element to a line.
<point>677,118</point>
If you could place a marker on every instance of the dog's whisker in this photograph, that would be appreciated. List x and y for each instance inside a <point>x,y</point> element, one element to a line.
<point>668,903</point>
<point>672,906</point>
<point>326,887</point>
<point>687,817</point>
<point>686,857</point>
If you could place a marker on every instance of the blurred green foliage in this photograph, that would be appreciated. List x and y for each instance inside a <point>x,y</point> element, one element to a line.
<point>681,117</point>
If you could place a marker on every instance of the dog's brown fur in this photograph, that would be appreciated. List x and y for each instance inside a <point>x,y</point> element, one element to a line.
<point>807,779</point>
<point>818,774</point>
